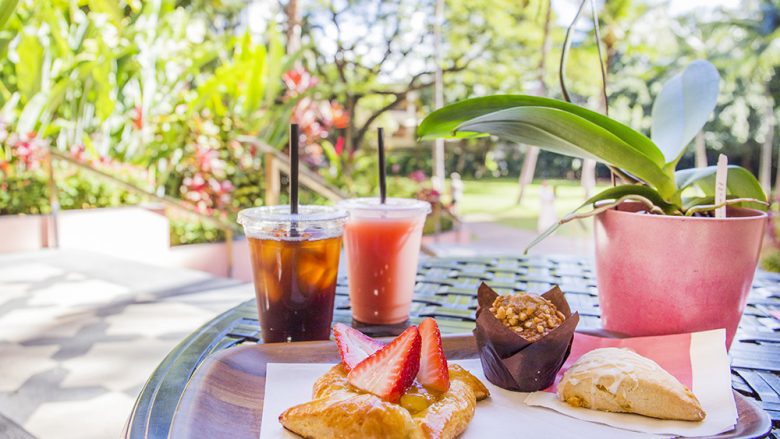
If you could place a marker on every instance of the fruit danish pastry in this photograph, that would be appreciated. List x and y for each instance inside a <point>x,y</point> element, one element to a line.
<point>405,389</point>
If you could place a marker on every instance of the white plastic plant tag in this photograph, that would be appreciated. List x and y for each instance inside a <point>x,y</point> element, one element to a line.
<point>720,185</point>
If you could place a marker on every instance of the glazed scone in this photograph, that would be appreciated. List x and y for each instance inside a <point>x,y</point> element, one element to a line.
<point>622,381</point>
<point>340,411</point>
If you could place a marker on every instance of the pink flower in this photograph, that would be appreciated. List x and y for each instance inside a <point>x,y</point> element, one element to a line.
<point>207,159</point>
<point>137,117</point>
<point>77,151</point>
<point>429,195</point>
<point>418,176</point>
<point>26,148</point>
<point>298,80</point>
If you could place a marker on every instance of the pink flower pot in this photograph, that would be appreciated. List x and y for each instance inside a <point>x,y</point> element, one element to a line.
<point>671,274</point>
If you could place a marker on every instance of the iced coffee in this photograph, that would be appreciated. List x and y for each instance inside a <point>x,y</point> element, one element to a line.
<point>295,261</point>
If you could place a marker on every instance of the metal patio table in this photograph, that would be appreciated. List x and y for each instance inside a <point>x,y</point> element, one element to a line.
<point>446,289</point>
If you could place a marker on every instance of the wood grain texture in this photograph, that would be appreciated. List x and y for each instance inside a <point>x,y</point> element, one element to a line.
<point>224,397</point>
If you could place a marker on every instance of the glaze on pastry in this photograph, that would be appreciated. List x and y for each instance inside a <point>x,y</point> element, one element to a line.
<point>620,380</point>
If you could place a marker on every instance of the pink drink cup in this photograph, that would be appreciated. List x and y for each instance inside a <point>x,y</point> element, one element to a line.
<point>382,242</point>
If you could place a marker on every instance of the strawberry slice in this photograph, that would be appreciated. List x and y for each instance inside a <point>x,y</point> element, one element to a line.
<point>354,346</point>
<point>434,373</point>
<point>388,372</point>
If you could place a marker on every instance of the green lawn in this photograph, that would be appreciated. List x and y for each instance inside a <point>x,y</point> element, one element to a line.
<point>496,200</point>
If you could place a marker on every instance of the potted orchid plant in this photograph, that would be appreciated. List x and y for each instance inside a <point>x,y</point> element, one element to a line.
<point>664,262</point>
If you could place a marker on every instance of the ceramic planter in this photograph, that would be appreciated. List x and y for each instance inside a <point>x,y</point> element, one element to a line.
<point>669,274</point>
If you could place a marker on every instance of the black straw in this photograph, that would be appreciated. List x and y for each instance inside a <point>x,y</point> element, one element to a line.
<point>294,137</point>
<point>380,132</point>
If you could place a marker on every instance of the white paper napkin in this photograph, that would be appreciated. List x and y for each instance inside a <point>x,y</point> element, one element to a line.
<point>711,385</point>
<point>502,415</point>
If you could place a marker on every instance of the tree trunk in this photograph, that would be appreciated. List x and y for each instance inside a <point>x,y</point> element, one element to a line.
<point>529,163</point>
<point>527,172</point>
<point>701,151</point>
<point>349,132</point>
<point>765,166</point>
<point>438,177</point>
<point>588,178</point>
<point>770,137</point>
<point>293,26</point>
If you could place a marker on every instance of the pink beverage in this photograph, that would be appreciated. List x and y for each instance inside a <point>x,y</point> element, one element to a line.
<point>382,242</point>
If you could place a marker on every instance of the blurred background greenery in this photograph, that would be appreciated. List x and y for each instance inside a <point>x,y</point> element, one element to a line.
<point>159,93</point>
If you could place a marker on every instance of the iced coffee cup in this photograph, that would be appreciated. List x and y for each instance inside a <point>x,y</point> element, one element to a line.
<point>295,262</point>
<point>382,242</point>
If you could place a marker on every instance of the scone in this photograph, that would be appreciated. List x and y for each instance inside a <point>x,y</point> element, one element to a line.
<point>622,381</point>
<point>402,390</point>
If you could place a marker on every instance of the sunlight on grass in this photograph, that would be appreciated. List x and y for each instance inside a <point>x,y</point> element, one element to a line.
<point>495,200</point>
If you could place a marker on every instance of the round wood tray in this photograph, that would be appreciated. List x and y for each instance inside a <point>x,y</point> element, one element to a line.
<point>224,397</point>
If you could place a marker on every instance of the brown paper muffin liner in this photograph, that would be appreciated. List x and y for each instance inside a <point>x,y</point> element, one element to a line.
<point>514,363</point>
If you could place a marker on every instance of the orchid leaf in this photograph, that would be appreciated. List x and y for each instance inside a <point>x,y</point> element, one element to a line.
<point>566,133</point>
<point>740,183</point>
<point>443,122</point>
<point>616,192</point>
<point>610,198</point>
<point>683,107</point>
<point>701,206</point>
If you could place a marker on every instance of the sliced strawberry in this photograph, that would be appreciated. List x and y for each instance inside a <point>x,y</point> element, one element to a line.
<point>388,372</point>
<point>354,346</point>
<point>434,372</point>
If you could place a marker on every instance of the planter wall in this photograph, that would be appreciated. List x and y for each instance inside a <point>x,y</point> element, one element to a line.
<point>23,233</point>
<point>126,232</point>
<point>212,258</point>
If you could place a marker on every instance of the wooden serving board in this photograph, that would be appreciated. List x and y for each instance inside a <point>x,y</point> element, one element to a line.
<point>224,397</point>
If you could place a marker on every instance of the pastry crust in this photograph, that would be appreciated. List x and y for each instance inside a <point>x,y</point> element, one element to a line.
<point>338,410</point>
<point>622,381</point>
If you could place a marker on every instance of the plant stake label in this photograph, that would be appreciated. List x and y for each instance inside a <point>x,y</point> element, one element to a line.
<point>720,185</point>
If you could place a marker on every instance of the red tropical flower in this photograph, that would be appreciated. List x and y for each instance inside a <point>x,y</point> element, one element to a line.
<point>137,117</point>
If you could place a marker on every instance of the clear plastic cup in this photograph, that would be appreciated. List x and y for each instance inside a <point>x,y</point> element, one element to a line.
<point>295,263</point>
<point>382,242</point>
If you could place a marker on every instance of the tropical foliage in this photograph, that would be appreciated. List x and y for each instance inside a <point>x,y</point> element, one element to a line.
<point>151,91</point>
<point>647,167</point>
<point>159,92</point>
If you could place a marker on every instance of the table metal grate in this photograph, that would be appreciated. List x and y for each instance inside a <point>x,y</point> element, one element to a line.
<point>446,289</point>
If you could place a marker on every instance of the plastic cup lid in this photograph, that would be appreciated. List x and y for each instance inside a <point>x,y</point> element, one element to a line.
<point>395,206</point>
<point>281,214</point>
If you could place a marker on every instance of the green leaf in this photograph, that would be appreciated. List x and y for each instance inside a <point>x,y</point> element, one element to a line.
<point>683,107</point>
<point>275,65</point>
<point>444,121</point>
<point>692,202</point>
<point>29,68</point>
<point>7,8</point>
<point>31,113</point>
<point>108,7</point>
<point>617,192</point>
<point>609,198</point>
<point>566,133</point>
<point>740,183</point>
<point>256,80</point>
<point>333,158</point>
